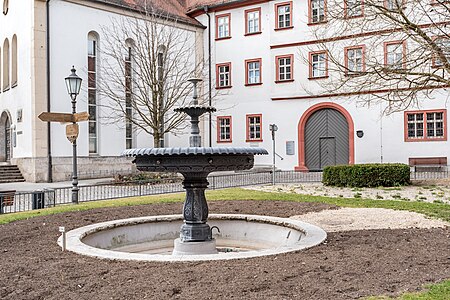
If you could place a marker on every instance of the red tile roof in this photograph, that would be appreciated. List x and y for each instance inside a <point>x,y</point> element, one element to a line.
<point>174,8</point>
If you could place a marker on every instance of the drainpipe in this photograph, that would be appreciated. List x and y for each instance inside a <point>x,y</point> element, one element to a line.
<point>209,74</point>
<point>49,143</point>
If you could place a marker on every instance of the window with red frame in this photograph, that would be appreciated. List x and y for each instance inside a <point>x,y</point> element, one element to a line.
<point>318,65</point>
<point>425,125</point>
<point>283,15</point>
<point>354,8</point>
<point>354,60</point>
<point>317,11</point>
<point>253,69</point>
<point>224,129</point>
<point>394,54</point>
<point>444,44</point>
<point>223,75</point>
<point>284,67</point>
<point>254,123</point>
<point>253,21</point>
<point>223,26</point>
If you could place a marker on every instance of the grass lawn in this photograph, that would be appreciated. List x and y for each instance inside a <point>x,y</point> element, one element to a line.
<point>432,210</point>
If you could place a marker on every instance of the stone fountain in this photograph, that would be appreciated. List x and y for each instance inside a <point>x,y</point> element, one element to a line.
<point>195,163</point>
<point>189,237</point>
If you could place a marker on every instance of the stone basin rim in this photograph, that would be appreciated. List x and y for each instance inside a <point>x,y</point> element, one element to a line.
<point>314,236</point>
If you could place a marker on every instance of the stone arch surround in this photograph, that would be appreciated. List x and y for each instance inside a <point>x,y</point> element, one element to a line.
<point>301,132</point>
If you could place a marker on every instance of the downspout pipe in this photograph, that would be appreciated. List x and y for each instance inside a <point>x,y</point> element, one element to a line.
<point>49,142</point>
<point>209,74</point>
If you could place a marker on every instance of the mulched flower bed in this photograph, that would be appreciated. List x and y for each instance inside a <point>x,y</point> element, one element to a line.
<point>348,266</point>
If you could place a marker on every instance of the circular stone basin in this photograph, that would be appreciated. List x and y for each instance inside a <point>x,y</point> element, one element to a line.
<point>152,238</point>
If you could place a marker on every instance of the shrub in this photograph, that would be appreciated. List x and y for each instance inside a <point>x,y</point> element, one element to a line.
<point>367,175</point>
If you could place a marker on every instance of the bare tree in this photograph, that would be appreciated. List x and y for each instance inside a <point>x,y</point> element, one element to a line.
<point>146,61</point>
<point>392,50</point>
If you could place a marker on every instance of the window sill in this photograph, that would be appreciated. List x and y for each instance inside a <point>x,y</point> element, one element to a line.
<point>284,81</point>
<point>223,87</point>
<point>6,89</point>
<point>317,23</point>
<point>284,28</point>
<point>223,38</point>
<point>252,33</point>
<point>409,140</point>
<point>253,84</point>
<point>252,141</point>
<point>14,85</point>
<point>356,74</point>
<point>224,142</point>
<point>315,78</point>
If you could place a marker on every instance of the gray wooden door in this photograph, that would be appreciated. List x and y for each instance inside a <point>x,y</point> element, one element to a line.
<point>326,139</point>
<point>327,151</point>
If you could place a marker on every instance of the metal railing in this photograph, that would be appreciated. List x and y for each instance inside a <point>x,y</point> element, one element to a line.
<point>22,201</point>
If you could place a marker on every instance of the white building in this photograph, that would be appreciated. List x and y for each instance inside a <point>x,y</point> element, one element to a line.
<point>258,72</point>
<point>267,59</point>
<point>47,38</point>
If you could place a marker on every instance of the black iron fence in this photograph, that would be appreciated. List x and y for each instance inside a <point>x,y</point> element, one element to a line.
<point>22,201</point>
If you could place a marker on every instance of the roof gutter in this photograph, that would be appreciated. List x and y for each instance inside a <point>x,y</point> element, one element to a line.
<point>224,5</point>
<point>206,9</point>
<point>49,142</point>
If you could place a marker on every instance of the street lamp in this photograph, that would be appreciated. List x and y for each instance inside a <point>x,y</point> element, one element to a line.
<point>73,84</point>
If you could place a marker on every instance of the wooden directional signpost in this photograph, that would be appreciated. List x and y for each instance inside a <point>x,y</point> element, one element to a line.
<point>72,131</point>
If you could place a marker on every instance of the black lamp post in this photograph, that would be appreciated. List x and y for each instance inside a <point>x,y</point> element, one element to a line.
<point>73,84</point>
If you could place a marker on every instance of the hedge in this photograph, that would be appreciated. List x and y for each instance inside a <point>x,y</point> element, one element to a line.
<point>367,175</point>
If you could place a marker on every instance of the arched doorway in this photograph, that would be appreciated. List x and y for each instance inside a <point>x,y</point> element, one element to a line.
<point>5,137</point>
<point>325,137</point>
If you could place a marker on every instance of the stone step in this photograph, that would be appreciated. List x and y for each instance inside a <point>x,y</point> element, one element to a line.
<point>11,180</point>
<point>10,173</point>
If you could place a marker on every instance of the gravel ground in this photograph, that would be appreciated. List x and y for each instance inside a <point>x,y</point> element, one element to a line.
<point>426,192</point>
<point>346,219</point>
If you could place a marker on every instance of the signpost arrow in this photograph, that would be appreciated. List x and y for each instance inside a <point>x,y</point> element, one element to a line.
<point>56,117</point>
<point>63,118</point>
<point>82,116</point>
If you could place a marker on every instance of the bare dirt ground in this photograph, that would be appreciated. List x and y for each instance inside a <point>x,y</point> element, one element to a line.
<point>349,265</point>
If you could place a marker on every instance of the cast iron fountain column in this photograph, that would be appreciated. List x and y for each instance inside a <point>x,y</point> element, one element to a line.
<point>195,163</point>
<point>195,208</point>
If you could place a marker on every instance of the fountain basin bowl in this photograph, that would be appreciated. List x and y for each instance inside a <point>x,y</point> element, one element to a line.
<point>194,159</point>
<point>152,238</point>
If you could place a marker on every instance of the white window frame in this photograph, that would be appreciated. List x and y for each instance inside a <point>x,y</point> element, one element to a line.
<point>284,68</point>
<point>317,11</point>
<point>318,65</point>
<point>253,18</point>
<point>284,11</point>
<point>223,27</point>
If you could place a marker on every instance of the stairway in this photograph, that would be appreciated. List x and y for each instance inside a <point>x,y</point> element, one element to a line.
<point>10,173</point>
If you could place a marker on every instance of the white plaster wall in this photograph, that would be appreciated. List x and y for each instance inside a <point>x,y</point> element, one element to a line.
<point>383,135</point>
<point>19,21</point>
<point>69,47</point>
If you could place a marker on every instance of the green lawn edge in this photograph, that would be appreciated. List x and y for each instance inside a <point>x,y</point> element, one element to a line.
<point>439,291</point>
<point>441,211</point>
<point>431,210</point>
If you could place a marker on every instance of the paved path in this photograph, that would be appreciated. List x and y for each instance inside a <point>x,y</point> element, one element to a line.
<point>30,186</point>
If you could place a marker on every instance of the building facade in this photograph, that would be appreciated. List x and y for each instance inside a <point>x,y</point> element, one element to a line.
<point>270,64</point>
<point>47,38</point>
<point>266,65</point>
